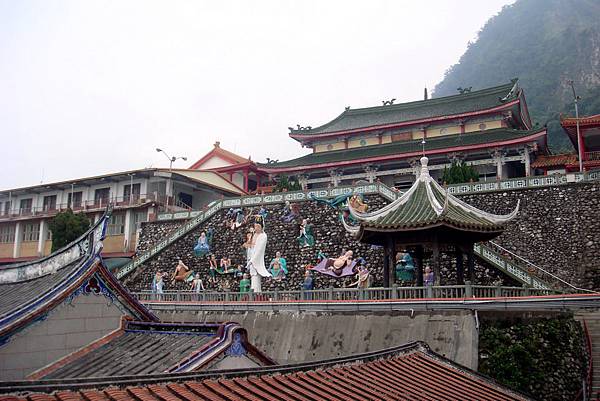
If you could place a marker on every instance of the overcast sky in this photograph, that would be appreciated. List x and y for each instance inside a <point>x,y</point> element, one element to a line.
<point>93,87</point>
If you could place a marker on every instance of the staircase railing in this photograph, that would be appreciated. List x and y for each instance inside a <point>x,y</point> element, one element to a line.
<point>198,217</point>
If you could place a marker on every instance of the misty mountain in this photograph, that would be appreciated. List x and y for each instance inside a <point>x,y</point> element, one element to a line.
<point>544,43</point>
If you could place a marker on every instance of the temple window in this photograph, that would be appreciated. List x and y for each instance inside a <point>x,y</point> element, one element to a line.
<point>330,147</point>
<point>482,126</point>
<point>363,142</point>
<point>443,131</point>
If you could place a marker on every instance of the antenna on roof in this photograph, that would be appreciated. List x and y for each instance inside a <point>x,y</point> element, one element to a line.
<point>423,143</point>
<point>425,96</point>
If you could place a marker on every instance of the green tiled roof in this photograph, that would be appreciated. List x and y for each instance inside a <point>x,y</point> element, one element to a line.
<point>427,204</point>
<point>405,147</point>
<point>443,106</point>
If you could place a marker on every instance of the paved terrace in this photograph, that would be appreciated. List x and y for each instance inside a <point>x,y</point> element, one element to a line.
<point>465,297</point>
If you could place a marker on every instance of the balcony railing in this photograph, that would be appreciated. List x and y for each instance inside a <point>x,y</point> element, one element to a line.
<point>90,205</point>
<point>348,294</point>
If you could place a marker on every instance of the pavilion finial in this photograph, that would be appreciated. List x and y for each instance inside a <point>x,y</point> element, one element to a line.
<point>424,168</point>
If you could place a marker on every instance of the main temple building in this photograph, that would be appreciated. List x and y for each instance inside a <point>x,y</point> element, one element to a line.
<point>489,129</point>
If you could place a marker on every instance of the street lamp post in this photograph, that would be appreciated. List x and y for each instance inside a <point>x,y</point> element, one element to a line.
<point>579,141</point>
<point>171,160</point>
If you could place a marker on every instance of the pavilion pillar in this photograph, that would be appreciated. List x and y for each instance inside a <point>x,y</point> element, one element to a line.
<point>471,265</point>
<point>460,269</point>
<point>419,262</point>
<point>387,257</point>
<point>246,180</point>
<point>435,261</point>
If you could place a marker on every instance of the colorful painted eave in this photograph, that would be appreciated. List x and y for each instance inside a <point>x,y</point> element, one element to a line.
<point>29,291</point>
<point>394,151</point>
<point>407,372</point>
<point>493,100</point>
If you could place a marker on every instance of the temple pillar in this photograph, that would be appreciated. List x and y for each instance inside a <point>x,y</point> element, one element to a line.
<point>436,262</point>
<point>336,176</point>
<point>526,160</point>
<point>419,264</point>
<point>42,237</point>
<point>498,156</point>
<point>370,172</point>
<point>388,253</point>
<point>471,265</point>
<point>303,181</point>
<point>460,269</point>
<point>18,239</point>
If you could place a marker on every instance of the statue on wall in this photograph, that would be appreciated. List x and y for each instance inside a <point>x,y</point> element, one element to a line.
<point>257,261</point>
<point>405,268</point>
<point>182,273</point>
<point>335,203</point>
<point>306,237</point>
<point>358,204</point>
<point>278,266</point>
<point>249,245</point>
<point>235,218</point>
<point>290,212</point>
<point>341,266</point>
<point>362,277</point>
<point>204,242</point>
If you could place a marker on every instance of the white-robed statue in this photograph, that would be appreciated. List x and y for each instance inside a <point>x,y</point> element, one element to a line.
<point>256,266</point>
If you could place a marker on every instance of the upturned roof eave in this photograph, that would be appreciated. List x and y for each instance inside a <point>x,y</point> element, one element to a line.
<point>300,137</point>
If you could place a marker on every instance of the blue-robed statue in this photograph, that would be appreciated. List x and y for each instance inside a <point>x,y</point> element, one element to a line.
<point>203,245</point>
<point>405,267</point>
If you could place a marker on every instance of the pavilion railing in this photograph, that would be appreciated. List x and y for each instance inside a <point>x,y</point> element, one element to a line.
<point>346,294</point>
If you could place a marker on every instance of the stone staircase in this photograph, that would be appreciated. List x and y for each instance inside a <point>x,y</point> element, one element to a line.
<point>592,319</point>
<point>490,253</point>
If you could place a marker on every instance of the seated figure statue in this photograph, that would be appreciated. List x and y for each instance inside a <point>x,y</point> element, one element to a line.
<point>276,270</point>
<point>290,212</point>
<point>358,204</point>
<point>202,246</point>
<point>306,237</point>
<point>281,260</point>
<point>182,273</point>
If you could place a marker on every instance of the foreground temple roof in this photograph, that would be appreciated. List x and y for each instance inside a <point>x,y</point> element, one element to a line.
<point>395,150</point>
<point>351,119</point>
<point>142,348</point>
<point>28,291</point>
<point>427,205</point>
<point>408,372</point>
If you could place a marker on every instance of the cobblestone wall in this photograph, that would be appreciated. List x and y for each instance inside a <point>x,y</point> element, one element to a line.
<point>558,228</point>
<point>331,238</point>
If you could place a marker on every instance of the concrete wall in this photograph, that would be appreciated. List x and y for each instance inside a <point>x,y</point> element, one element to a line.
<point>296,337</point>
<point>66,329</point>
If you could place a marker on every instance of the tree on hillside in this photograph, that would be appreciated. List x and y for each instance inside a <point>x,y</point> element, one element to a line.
<point>458,173</point>
<point>66,227</point>
<point>543,43</point>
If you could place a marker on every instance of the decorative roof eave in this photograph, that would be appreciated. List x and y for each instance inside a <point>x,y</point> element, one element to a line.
<point>540,134</point>
<point>300,137</point>
<point>221,153</point>
<point>88,262</point>
<point>593,121</point>
<point>387,218</point>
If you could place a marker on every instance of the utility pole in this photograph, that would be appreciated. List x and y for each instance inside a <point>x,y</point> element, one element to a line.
<point>579,140</point>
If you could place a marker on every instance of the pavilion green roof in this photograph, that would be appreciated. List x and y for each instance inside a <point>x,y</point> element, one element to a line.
<point>404,148</point>
<point>396,113</point>
<point>426,205</point>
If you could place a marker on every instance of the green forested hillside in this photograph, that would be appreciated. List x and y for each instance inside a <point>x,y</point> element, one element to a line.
<point>543,43</point>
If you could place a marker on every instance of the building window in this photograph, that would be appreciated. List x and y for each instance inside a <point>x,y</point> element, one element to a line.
<point>74,199</point>
<point>482,126</point>
<point>127,193</point>
<point>444,131</point>
<point>31,232</point>
<point>330,147</point>
<point>139,217</point>
<point>101,196</point>
<point>48,235</point>
<point>363,142</point>
<point>25,206</point>
<point>116,225</point>
<point>7,233</point>
<point>49,203</point>
<point>7,207</point>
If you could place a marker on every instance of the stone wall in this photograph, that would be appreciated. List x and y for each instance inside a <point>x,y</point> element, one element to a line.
<point>290,337</point>
<point>153,232</point>
<point>331,238</point>
<point>558,228</point>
